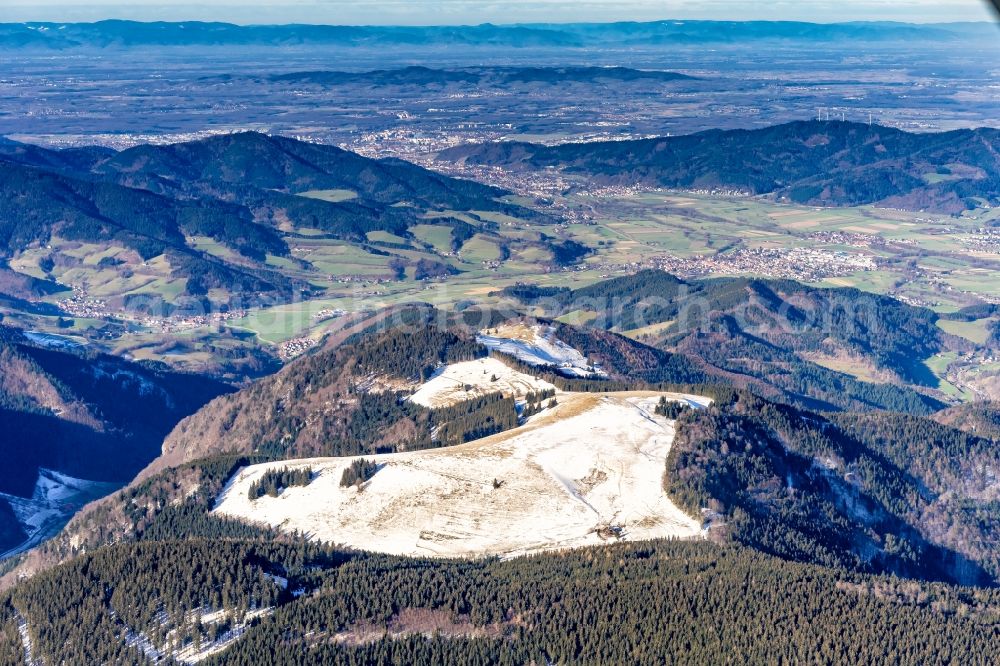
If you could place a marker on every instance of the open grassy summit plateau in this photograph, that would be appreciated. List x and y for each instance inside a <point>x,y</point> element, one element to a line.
<point>585,472</point>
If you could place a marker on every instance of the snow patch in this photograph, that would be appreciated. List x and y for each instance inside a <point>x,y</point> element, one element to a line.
<point>537,345</point>
<point>53,341</point>
<point>583,473</point>
<point>53,502</point>
<point>190,654</point>
<point>141,642</point>
<point>469,379</point>
<point>26,646</point>
<point>125,377</point>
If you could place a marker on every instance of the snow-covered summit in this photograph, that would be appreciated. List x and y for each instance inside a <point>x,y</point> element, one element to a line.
<point>586,472</point>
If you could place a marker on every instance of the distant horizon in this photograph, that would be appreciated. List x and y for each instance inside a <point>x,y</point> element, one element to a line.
<point>489,23</point>
<point>415,13</point>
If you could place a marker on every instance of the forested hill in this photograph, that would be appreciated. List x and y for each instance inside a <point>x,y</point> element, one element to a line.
<point>666,602</point>
<point>346,399</point>
<point>244,192</point>
<point>876,492</point>
<point>980,418</point>
<point>90,415</point>
<point>807,162</point>
<point>252,161</point>
<point>38,203</point>
<point>775,336</point>
<point>87,415</point>
<point>857,494</point>
<point>314,406</point>
<point>255,170</point>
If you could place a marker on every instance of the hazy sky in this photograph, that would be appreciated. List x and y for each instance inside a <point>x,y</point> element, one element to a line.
<point>438,12</point>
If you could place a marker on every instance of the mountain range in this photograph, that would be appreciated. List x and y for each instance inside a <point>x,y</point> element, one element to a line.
<point>124,34</point>
<point>822,163</point>
<point>345,397</point>
<point>240,190</point>
<point>480,76</point>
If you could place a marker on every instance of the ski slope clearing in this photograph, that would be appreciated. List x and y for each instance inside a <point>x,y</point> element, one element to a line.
<point>462,381</point>
<point>586,472</point>
<point>537,345</point>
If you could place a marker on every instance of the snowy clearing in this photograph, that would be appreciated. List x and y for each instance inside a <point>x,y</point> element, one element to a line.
<point>537,345</point>
<point>585,472</point>
<point>462,381</point>
<point>55,499</point>
<point>53,341</point>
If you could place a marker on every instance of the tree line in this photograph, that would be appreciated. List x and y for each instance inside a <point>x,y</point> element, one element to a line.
<point>273,481</point>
